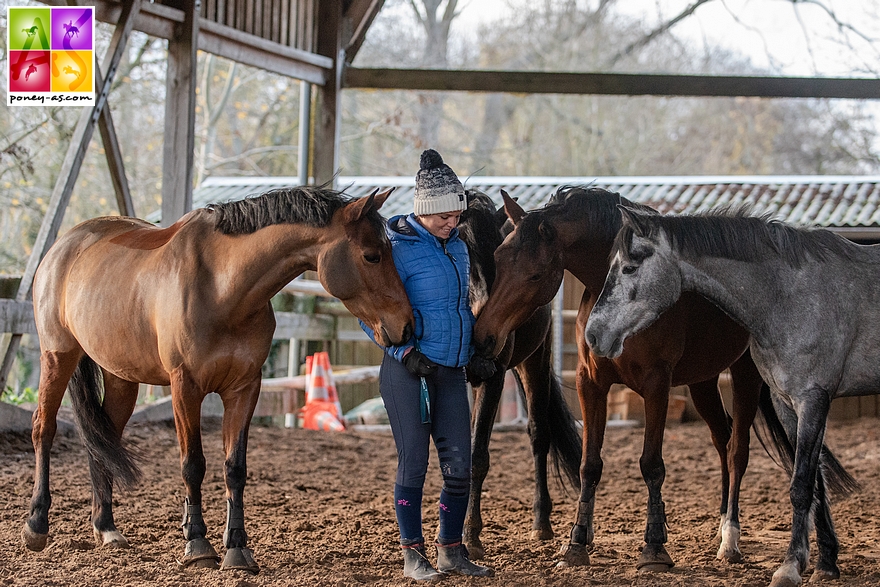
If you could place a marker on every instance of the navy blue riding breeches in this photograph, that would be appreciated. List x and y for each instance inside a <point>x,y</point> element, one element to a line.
<point>449,426</point>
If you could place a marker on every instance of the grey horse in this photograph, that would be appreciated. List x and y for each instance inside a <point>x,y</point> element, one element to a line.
<point>810,301</point>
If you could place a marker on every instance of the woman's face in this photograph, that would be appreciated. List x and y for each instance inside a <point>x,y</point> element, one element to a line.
<point>440,225</point>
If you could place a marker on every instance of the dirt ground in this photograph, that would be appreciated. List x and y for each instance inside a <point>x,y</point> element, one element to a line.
<point>319,511</point>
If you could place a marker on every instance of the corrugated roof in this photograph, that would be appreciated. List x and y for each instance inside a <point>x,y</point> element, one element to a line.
<point>847,204</point>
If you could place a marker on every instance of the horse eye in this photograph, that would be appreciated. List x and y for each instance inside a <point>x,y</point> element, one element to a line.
<point>372,259</point>
<point>535,277</point>
<point>629,269</point>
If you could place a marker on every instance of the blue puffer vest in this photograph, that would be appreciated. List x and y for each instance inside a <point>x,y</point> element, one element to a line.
<point>435,276</point>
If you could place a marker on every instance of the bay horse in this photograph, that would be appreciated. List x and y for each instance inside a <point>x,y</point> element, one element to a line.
<point>188,306</point>
<point>527,351</point>
<point>691,344</point>
<point>810,302</point>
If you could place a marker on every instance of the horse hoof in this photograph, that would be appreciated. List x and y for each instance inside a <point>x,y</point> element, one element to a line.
<point>730,555</point>
<point>574,555</point>
<point>199,553</point>
<point>654,559</point>
<point>111,539</point>
<point>543,533</point>
<point>819,576</point>
<point>33,540</point>
<point>786,576</point>
<point>241,559</point>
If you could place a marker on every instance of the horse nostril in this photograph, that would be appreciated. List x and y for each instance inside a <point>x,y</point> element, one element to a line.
<point>591,340</point>
<point>407,332</point>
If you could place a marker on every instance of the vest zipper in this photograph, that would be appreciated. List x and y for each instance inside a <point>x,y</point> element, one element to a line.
<point>458,305</point>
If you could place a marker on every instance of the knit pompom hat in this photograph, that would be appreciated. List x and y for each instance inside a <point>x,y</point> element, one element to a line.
<point>438,189</point>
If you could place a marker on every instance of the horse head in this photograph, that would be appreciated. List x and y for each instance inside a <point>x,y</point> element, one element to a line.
<point>528,272</point>
<point>356,266</point>
<point>642,283</point>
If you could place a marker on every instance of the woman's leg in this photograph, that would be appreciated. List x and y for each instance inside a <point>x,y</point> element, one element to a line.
<point>400,392</point>
<point>452,437</point>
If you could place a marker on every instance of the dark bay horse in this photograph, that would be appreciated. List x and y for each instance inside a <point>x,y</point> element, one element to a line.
<point>809,300</point>
<point>188,306</point>
<point>690,344</point>
<point>527,351</point>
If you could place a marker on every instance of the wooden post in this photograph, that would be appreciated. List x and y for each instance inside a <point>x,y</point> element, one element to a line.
<point>328,97</point>
<point>180,116</point>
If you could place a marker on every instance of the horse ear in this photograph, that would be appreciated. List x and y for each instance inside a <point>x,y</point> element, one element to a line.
<point>633,219</point>
<point>380,198</point>
<point>361,207</point>
<point>514,211</point>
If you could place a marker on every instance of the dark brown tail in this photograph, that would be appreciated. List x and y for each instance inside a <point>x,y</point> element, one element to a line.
<point>565,438</point>
<point>97,431</point>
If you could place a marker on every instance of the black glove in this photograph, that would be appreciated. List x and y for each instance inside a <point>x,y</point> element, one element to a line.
<point>418,364</point>
<point>480,369</point>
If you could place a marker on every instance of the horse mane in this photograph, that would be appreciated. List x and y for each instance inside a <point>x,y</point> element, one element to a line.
<point>591,207</point>
<point>734,233</point>
<point>482,235</point>
<point>309,205</point>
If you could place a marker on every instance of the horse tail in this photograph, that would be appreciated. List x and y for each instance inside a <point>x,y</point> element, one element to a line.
<point>776,429</point>
<point>96,429</point>
<point>565,438</point>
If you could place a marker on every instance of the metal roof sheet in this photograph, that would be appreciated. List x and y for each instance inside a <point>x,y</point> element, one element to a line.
<point>849,204</point>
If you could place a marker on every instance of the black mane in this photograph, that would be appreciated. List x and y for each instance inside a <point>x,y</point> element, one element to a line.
<point>480,232</point>
<point>594,208</point>
<point>310,205</point>
<point>735,234</point>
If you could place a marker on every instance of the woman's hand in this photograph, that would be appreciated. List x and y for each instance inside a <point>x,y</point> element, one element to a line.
<point>418,364</point>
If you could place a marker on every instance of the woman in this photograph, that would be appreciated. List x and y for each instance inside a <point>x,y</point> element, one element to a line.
<point>423,381</point>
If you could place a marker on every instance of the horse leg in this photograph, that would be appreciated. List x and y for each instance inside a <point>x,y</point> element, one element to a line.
<point>186,400</point>
<point>238,409</point>
<point>594,411</point>
<point>829,546</point>
<point>534,374</point>
<point>746,383</point>
<point>56,369</point>
<point>654,556</point>
<point>120,397</point>
<point>812,412</point>
<point>486,399</point>
<point>709,406</point>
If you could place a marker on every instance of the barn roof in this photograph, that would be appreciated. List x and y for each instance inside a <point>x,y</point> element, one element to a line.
<point>846,204</point>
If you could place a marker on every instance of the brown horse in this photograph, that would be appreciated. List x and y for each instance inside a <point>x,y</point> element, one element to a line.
<point>690,344</point>
<point>552,428</point>
<point>188,306</point>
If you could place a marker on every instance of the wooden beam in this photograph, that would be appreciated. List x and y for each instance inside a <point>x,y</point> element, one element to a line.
<point>360,15</point>
<point>17,317</point>
<point>258,52</point>
<point>114,156</point>
<point>180,117</point>
<point>619,84</point>
<point>76,151</point>
<point>300,326</point>
<point>328,97</point>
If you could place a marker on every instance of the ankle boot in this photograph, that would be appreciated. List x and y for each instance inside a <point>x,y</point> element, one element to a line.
<point>416,565</point>
<point>453,558</point>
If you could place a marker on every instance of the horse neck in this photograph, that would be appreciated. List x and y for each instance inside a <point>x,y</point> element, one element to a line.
<point>585,255</point>
<point>260,264</point>
<point>747,292</point>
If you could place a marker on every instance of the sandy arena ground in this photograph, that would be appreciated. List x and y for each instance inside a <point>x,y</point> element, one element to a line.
<point>319,512</point>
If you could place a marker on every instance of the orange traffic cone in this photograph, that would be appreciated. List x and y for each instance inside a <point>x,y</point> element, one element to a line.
<point>320,410</point>
<point>332,394</point>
